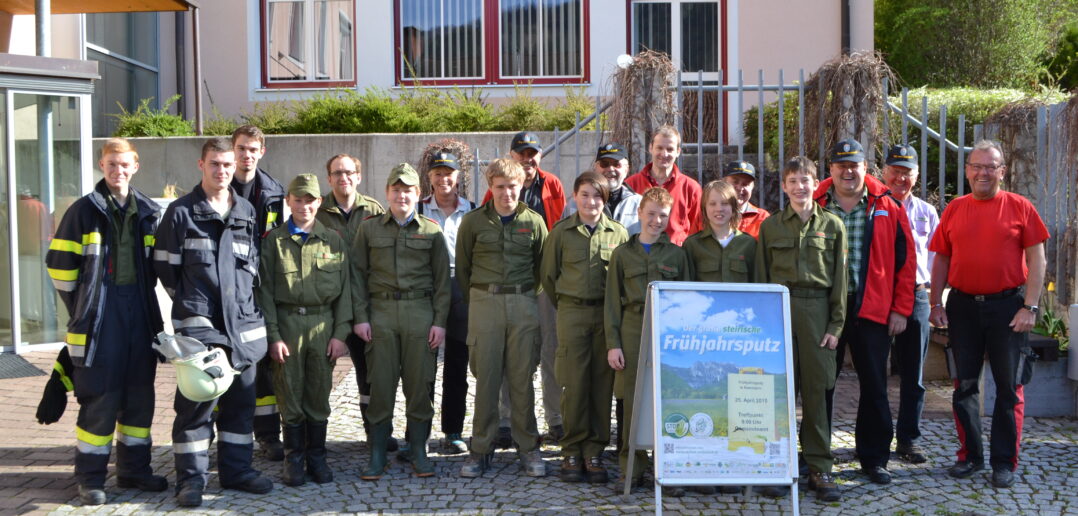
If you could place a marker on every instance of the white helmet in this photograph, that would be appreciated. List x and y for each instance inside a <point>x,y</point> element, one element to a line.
<point>204,376</point>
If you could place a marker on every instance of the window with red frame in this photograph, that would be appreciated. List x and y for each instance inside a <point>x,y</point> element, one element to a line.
<point>308,43</point>
<point>491,41</point>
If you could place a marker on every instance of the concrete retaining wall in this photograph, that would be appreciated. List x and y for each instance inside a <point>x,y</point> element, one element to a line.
<point>167,161</point>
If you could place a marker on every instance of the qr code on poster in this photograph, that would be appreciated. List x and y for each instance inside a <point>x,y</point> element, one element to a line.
<point>774,449</point>
<point>668,448</point>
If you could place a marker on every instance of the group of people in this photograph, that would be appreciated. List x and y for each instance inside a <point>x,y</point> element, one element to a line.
<point>513,285</point>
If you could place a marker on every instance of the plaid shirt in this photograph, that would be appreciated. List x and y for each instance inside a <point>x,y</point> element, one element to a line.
<point>854,221</point>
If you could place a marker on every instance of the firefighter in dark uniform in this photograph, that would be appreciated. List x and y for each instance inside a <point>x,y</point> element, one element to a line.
<point>304,285</point>
<point>342,210</point>
<point>266,195</point>
<point>99,261</point>
<point>206,259</point>
<point>400,277</point>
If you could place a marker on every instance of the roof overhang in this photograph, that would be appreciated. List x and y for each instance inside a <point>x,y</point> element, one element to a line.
<point>97,6</point>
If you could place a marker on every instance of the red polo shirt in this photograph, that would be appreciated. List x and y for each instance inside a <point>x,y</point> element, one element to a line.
<point>987,240</point>
<point>685,214</point>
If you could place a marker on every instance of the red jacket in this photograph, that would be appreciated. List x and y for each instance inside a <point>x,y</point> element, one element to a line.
<point>751,220</point>
<point>553,198</point>
<point>890,268</point>
<point>685,214</point>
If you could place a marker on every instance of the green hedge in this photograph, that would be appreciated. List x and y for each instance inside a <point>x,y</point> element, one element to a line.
<point>419,110</point>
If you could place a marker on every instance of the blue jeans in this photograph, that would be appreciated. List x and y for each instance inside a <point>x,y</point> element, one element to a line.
<point>911,347</point>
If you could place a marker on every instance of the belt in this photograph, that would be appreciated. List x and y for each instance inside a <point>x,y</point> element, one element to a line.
<point>921,286</point>
<point>988,297</point>
<point>579,301</point>
<point>304,310</point>
<point>503,289</point>
<point>809,292</point>
<point>398,295</point>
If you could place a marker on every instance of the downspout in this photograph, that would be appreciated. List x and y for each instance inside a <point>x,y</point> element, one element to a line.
<point>43,24</point>
<point>181,61</point>
<point>846,27</point>
<point>198,70</point>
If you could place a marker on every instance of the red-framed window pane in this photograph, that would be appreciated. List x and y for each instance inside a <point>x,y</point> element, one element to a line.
<point>308,43</point>
<point>491,41</point>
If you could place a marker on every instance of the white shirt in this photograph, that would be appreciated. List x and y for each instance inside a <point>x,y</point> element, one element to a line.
<point>449,222</point>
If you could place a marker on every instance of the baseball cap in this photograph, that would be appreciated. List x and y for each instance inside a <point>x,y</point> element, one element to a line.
<point>305,184</point>
<point>739,167</point>
<point>526,140</point>
<point>847,150</point>
<point>443,159</point>
<point>403,173</point>
<point>902,156</point>
<point>611,151</point>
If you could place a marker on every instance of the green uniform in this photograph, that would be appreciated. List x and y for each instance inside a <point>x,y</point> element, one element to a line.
<point>400,278</point>
<point>632,269</point>
<point>574,274</point>
<point>715,263</point>
<point>498,270</point>
<point>809,258</point>
<point>333,218</point>
<point>304,287</point>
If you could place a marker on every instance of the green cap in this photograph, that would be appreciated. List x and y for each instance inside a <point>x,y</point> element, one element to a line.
<point>305,184</point>
<point>403,173</point>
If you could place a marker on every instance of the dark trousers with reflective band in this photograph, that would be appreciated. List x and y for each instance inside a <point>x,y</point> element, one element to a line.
<point>267,421</point>
<point>359,364</point>
<point>814,372</point>
<point>503,343</point>
<point>910,348</point>
<point>586,378</point>
<point>870,345</point>
<point>117,393</point>
<point>455,364</point>
<point>625,389</point>
<point>977,328</point>
<point>303,382</point>
<point>192,429</point>
<point>399,352</point>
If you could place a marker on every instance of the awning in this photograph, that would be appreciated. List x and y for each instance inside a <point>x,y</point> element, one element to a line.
<point>97,6</point>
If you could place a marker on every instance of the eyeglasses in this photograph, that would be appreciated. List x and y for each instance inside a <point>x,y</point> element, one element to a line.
<point>981,167</point>
<point>339,173</point>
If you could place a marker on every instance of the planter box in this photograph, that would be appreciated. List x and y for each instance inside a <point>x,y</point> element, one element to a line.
<point>1050,394</point>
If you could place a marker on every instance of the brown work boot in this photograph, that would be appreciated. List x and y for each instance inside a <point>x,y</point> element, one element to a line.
<point>595,471</point>
<point>572,469</point>
<point>825,486</point>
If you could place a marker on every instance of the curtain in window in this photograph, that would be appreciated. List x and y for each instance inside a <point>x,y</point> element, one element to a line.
<point>441,39</point>
<point>541,38</point>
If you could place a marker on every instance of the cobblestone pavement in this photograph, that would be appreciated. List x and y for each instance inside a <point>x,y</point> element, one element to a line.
<point>35,471</point>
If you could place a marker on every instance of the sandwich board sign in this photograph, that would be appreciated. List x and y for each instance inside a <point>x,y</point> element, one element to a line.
<point>714,391</point>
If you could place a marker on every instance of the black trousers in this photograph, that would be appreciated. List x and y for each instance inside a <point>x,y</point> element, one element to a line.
<point>455,364</point>
<point>978,328</point>
<point>267,421</point>
<point>116,394</point>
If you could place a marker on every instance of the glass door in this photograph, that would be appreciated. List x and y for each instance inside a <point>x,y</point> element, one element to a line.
<point>47,171</point>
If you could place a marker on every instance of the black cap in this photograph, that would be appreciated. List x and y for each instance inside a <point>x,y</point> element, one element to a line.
<point>847,150</point>
<point>443,159</point>
<point>902,156</point>
<point>611,151</point>
<point>526,140</point>
<point>739,167</point>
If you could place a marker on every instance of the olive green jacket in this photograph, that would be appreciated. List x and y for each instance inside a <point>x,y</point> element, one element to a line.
<point>631,270</point>
<point>330,215</point>
<point>809,255</point>
<point>575,260</point>
<point>305,274</point>
<point>713,262</point>
<point>411,259</point>
<point>492,253</point>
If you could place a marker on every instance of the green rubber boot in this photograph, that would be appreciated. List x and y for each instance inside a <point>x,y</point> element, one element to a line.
<point>418,433</point>
<point>378,463</point>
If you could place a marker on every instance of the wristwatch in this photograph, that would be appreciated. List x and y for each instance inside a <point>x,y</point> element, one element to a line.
<point>1034,309</point>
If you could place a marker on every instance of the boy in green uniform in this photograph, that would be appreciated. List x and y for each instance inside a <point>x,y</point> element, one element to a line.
<point>646,257</point>
<point>575,259</point>
<point>719,252</point>
<point>498,257</point>
<point>342,210</point>
<point>308,311</point>
<point>804,248</point>
<point>400,277</point>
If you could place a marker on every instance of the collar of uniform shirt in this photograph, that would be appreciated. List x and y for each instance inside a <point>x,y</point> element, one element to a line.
<point>402,223</point>
<point>293,229</point>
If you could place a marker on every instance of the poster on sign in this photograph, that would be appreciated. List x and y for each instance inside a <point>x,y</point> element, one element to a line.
<point>718,384</point>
